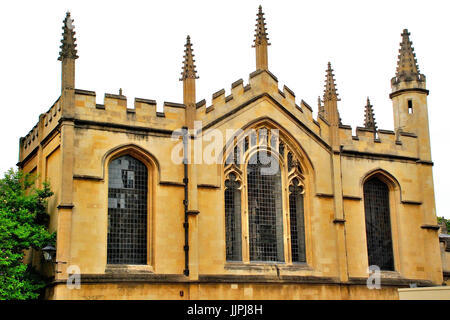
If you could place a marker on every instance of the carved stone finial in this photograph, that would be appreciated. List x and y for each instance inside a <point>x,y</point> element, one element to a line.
<point>261,36</point>
<point>369,117</point>
<point>189,71</point>
<point>68,46</point>
<point>330,92</point>
<point>407,67</point>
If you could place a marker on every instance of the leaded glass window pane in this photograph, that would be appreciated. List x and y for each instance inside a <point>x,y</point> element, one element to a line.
<point>290,160</point>
<point>281,148</point>
<point>252,138</point>
<point>265,209</point>
<point>378,225</point>
<point>274,140</point>
<point>237,155</point>
<point>246,144</point>
<point>263,136</point>
<point>127,211</point>
<point>296,215</point>
<point>233,219</point>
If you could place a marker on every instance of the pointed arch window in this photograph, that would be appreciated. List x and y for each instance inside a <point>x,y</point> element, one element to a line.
<point>264,192</point>
<point>127,211</point>
<point>378,224</point>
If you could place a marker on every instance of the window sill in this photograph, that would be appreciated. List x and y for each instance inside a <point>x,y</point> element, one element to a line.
<point>296,267</point>
<point>258,266</point>
<point>128,268</point>
<point>266,266</point>
<point>390,275</point>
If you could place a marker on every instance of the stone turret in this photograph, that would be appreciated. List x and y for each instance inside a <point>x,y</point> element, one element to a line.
<point>409,97</point>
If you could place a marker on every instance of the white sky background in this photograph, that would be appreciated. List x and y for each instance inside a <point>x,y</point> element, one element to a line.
<point>138,46</point>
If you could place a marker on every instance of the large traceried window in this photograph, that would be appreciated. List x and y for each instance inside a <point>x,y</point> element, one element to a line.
<point>378,224</point>
<point>264,191</point>
<point>127,211</point>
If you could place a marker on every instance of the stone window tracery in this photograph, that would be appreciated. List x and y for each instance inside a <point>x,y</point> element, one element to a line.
<point>264,190</point>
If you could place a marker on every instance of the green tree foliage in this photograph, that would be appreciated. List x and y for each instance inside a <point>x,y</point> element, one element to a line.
<point>447,222</point>
<point>23,225</point>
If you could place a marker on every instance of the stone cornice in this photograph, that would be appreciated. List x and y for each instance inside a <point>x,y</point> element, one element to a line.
<point>401,91</point>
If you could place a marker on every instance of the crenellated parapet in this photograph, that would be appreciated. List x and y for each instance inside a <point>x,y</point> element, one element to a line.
<point>47,125</point>
<point>385,142</point>
<point>30,141</point>
<point>262,84</point>
<point>114,111</point>
<point>80,106</point>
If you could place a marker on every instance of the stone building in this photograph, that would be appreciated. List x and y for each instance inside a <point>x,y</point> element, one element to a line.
<point>444,243</point>
<point>292,207</point>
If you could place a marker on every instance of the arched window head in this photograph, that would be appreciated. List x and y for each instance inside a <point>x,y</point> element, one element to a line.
<point>127,211</point>
<point>233,218</point>
<point>378,224</point>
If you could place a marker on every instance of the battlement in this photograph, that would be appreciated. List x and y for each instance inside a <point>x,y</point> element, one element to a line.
<point>115,110</point>
<point>382,141</point>
<point>261,83</point>
<point>46,125</point>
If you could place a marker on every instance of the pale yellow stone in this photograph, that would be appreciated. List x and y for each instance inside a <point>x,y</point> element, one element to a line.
<point>74,156</point>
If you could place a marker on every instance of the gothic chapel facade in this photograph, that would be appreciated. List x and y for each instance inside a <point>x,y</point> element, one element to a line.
<point>137,225</point>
